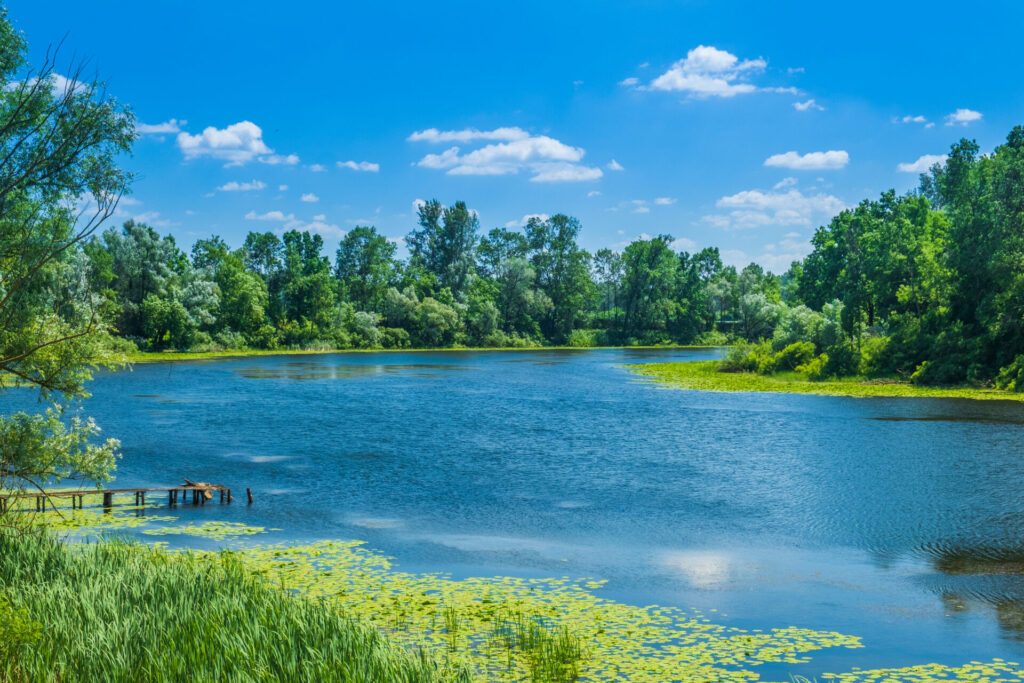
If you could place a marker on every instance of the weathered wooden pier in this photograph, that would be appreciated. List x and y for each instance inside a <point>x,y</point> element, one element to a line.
<point>201,492</point>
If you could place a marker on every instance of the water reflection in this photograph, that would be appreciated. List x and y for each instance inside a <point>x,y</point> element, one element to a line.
<point>984,579</point>
<point>313,370</point>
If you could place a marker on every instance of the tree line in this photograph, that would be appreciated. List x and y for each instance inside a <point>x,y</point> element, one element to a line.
<point>927,286</point>
<point>506,288</point>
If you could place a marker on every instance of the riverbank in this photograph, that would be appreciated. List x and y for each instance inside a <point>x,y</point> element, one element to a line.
<point>704,376</point>
<point>172,356</point>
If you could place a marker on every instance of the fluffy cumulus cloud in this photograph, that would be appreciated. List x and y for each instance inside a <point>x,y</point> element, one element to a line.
<point>236,144</point>
<point>364,166</point>
<point>235,186</point>
<point>757,208</point>
<point>709,72</point>
<point>775,257</point>
<point>812,161</point>
<point>963,117</point>
<point>513,150</point>
<point>168,127</point>
<point>613,165</point>
<point>923,163</point>
<point>310,197</point>
<point>664,201</point>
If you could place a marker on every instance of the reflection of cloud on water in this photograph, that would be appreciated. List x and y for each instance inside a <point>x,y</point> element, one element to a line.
<point>499,544</point>
<point>375,522</point>
<point>313,370</point>
<point>269,458</point>
<point>703,569</point>
<point>571,504</point>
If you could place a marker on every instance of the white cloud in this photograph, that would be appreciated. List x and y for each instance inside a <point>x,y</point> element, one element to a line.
<point>594,193</point>
<point>282,188</point>
<point>630,82</point>
<point>756,208</point>
<point>236,144</point>
<point>796,70</point>
<point>963,117</point>
<point>269,216</point>
<point>922,164</point>
<point>507,134</point>
<point>664,201</point>
<point>683,244</point>
<point>167,127</point>
<point>709,72</point>
<point>367,166</point>
<point>812,161</point>
<point>808,105</point>
<point>785,182</point>
<point>564,173</point>
<point>613,165</point>
<point>912,119</point>
<point>317,168</point>
<point>280,159</point>
<point>153,219</point>
<point>310,197</point>
<point>526,219</point>
<point>548,159</point>
<point>318,225</point>
<point>235,186</point>
<point>417,204</point>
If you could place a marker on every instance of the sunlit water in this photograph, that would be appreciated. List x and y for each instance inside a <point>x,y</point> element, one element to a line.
<point>898,520</point>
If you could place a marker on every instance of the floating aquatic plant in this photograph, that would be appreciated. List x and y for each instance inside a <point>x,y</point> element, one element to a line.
<point>217,531</point>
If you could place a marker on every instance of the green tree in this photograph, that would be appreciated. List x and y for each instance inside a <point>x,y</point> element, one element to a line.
<point>58,145</point>
<point>563,272</point>
<point>445,244</point>
<point>365,267</point>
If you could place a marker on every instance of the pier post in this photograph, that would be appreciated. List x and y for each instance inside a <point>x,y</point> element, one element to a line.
<point>248,494</point>
<point>108,501</point>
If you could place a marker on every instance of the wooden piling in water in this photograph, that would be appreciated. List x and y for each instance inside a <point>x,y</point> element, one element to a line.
<point>248,494</point>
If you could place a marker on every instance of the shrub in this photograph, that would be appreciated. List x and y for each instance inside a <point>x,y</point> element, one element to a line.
<point>584,338</point>
<point>1011,377</point>
<point>712,338</point>
<point>814,369</point>
<point>794,355</point>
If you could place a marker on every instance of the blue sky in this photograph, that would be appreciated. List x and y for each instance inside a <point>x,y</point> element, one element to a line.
<point>733,124</point>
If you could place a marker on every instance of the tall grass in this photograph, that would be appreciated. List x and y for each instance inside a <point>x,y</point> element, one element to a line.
<point>114,611</point>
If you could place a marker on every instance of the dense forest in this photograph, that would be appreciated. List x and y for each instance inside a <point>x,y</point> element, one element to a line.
<point>928,286</point>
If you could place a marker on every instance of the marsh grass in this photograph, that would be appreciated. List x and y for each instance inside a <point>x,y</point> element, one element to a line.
<point>115,611</point>
<point>705,376</point>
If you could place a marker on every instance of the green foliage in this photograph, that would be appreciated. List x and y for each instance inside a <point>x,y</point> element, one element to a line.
<point>18,633</point>
<point>794,355</point>
<point>1011,377</point>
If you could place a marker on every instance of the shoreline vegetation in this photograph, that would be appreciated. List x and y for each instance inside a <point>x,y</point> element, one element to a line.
<point>143,357</point>
<point>708,376</point>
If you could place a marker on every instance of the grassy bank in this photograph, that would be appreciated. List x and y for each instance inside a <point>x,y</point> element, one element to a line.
<point>704,376</point>
<point>117,612</point>
<point>171,356</point>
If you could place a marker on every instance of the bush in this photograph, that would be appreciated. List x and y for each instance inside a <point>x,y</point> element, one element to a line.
<point>874,355</point>
<point>584,338</point>
<point>746,357</point>
<point>712,338</point>
<point>1011,377</point>
<point>814,369</point>
<point>794,355</point>
<point>394,338</point>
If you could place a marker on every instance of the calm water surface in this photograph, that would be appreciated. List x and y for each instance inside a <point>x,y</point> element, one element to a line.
<point>898,520</point>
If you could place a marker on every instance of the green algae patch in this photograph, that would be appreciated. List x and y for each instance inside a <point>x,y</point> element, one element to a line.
<point>218,531</point>
<point>474,622</point>
<point>996,671</point>
<point>705,376</point>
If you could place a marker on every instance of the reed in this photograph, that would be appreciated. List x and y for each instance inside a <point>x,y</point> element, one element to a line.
<point>117,611</point>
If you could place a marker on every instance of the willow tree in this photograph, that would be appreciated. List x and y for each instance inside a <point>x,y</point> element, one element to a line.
<point>60,138</point>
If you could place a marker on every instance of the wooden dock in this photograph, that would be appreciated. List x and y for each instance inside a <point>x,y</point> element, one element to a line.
<point>201,492</point>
